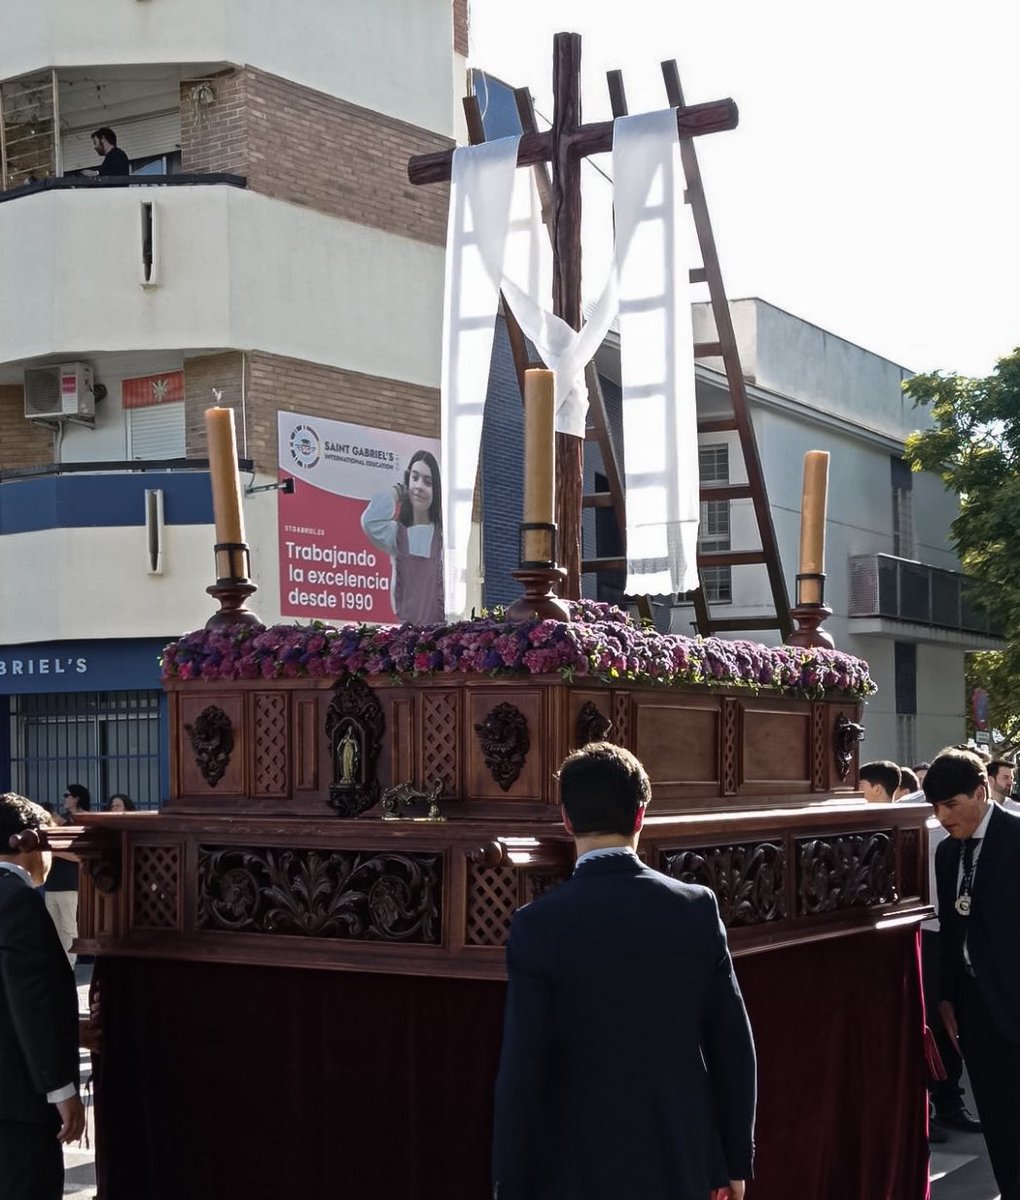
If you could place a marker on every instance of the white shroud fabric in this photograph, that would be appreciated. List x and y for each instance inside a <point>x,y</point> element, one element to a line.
<point>647,286</point>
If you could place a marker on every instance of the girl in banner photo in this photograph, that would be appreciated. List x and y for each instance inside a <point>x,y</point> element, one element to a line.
<point>407,522</point>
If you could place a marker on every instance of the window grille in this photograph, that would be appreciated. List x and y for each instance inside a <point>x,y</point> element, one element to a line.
<point>714,530</point>
<point>108,741</point>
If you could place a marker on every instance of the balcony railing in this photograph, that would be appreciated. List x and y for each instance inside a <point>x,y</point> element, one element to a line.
<point>899,589</point>
<point>67,183</point>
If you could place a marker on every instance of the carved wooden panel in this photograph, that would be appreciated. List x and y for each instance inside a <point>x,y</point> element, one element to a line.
<point>910,870</point>
<point>748,880</point>
<point>155,895</point>
<point>592,725</point>
<point>729,747</point>
<point>845,871</point>
<point>491,902</point>
<point>271,774</point>
<point>537,883</point>
<point>354,730</point>
<point>819,746</point>
<point>507,757</point>
<point>359,895</point>
<point>194,764</point>
<point>621,719</point>
<point>440,720</point>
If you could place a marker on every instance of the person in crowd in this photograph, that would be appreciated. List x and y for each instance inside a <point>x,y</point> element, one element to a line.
<point>40,1108</point>
<point>908,789</point>
<point>115,161</point>
<point>879,781</point>
<point>617,949</point>
<point>62,884</point>
<point>406,521</point>
<point>977,870</point>
<point>920,770</point>
<point>120,802</point>
<point>1001,774</point>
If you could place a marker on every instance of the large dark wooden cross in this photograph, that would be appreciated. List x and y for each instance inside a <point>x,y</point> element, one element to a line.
<point>564,146</point>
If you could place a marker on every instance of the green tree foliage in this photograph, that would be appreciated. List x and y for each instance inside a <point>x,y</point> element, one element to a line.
<point>974,445</point>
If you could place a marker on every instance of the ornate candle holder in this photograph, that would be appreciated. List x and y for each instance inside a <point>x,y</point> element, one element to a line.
<point>809,616</point>
<point>539,574</point>
<point>233,586</point>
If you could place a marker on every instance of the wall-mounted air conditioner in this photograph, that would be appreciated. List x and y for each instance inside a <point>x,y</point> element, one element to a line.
<point>59,392</point>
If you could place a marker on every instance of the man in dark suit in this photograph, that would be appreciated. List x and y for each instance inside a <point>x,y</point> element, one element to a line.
<point>977,871</point>
<point>39,1104</point>
<point>628,1069</point>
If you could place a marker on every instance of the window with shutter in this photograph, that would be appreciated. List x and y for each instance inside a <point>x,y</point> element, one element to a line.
<point>156,431</point>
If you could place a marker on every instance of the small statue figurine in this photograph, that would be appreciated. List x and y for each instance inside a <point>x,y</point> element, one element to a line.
<point>348,754</point>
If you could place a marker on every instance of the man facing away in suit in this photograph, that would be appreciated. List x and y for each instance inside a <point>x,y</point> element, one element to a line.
<point>628,1069</point>
<point>39,1103</point>
<point>977,870</point>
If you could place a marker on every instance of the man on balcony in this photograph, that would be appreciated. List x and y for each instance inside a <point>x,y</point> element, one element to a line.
<point>115,161</point>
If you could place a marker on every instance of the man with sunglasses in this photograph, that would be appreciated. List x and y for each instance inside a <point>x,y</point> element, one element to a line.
<point>40,1108</point>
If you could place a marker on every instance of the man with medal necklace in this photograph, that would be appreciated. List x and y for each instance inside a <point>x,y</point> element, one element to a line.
<point>977,870</point>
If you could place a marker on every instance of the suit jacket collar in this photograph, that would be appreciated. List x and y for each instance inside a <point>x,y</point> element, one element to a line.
<point>13,871</point>
<point>610,864</point>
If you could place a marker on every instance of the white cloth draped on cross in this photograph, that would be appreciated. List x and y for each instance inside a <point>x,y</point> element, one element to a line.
<point>495,241</point>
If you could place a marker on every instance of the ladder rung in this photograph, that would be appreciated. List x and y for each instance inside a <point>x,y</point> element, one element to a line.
<point>726,491</point>
<point>730,558</point>
<point>597,500</point>
<point>718,425</point>
<point>698,275</point>
<point>707,350</point>
<point>734,624</point>
<point>707,558</point>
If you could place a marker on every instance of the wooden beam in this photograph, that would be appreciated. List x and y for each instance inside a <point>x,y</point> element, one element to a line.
<point>717,116</point>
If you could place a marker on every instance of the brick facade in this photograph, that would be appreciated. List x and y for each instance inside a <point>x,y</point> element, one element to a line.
<point>460,27</point>
<point>305,147</point>
<point>273,383</point>
<point>22,443</point>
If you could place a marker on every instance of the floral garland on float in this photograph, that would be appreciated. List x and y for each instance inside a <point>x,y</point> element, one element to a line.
<point>599,641</point>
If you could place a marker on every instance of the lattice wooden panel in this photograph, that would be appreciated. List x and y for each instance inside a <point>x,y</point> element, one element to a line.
<point>491,902</point>
<point>821,751</point>
<point>270,744</point>
<point>621,719</point>
<point>154,901</point>
<point>440,714</point>
<point>729,741</point>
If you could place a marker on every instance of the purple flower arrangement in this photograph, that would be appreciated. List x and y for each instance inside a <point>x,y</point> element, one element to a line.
<point>599,641</point>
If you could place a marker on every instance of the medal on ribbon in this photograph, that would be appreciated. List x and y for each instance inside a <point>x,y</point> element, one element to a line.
<point>962,905</point>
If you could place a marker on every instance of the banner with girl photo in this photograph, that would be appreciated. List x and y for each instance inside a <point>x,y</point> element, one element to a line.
<point>361,536</point>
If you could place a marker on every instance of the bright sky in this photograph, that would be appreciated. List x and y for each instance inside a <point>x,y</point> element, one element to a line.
<point>873,183</point>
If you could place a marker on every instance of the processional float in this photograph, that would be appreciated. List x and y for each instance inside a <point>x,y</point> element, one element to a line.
<point>299,960</point>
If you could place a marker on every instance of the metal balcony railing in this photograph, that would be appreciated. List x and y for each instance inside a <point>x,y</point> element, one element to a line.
<point>902,590</point>
<point>72,183</point>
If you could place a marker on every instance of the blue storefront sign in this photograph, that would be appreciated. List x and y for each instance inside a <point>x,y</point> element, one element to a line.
<point>80,666</point>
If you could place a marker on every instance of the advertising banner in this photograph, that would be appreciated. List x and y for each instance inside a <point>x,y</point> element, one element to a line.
<point>361,534</point>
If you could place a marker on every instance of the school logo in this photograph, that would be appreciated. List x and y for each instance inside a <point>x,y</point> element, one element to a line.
<point>305,448</point>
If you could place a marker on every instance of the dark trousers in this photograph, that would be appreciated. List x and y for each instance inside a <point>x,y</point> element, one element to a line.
<point>946,1094</point>
<point>993,1064</point>
<point>31,1161</point>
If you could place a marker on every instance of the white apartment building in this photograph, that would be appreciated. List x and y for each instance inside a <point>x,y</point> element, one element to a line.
<point>267,248</point>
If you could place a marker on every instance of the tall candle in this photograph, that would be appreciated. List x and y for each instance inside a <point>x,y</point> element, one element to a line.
<point>539,462</point>
<point>224,475</point>
<point>812,524</point>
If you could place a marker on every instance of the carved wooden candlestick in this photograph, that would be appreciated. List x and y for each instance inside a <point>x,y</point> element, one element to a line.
<point>810,615</point>
<point>233,586</point>
<point>539,575</point>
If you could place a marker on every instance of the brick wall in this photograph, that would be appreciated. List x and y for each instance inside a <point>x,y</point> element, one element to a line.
<point>460,27</point>
<point>22,443</point>
<point>214,137</point>
<point>303,146</point>
<point>273,383</point>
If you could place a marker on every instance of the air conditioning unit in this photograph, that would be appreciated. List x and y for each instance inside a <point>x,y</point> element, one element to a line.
<point>59,392</point>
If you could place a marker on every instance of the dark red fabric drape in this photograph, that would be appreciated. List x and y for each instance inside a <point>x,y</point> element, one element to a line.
<point>273,1084</point>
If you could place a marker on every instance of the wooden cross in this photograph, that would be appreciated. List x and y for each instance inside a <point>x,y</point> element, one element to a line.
<point>564,146</point>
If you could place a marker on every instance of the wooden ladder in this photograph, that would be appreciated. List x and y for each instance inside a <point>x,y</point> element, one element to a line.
<point>599,430</point>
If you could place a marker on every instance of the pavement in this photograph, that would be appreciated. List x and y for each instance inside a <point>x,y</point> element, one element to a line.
<point>959,1168</point>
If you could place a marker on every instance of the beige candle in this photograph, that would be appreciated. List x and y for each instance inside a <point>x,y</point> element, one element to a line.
<point>224,475</point>
<point>812,524</point>
<point>539,461</point>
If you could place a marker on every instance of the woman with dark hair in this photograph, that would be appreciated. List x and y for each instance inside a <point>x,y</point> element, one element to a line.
<point>62,881</point>
<point>407,522</point>
<point>119,802</point>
